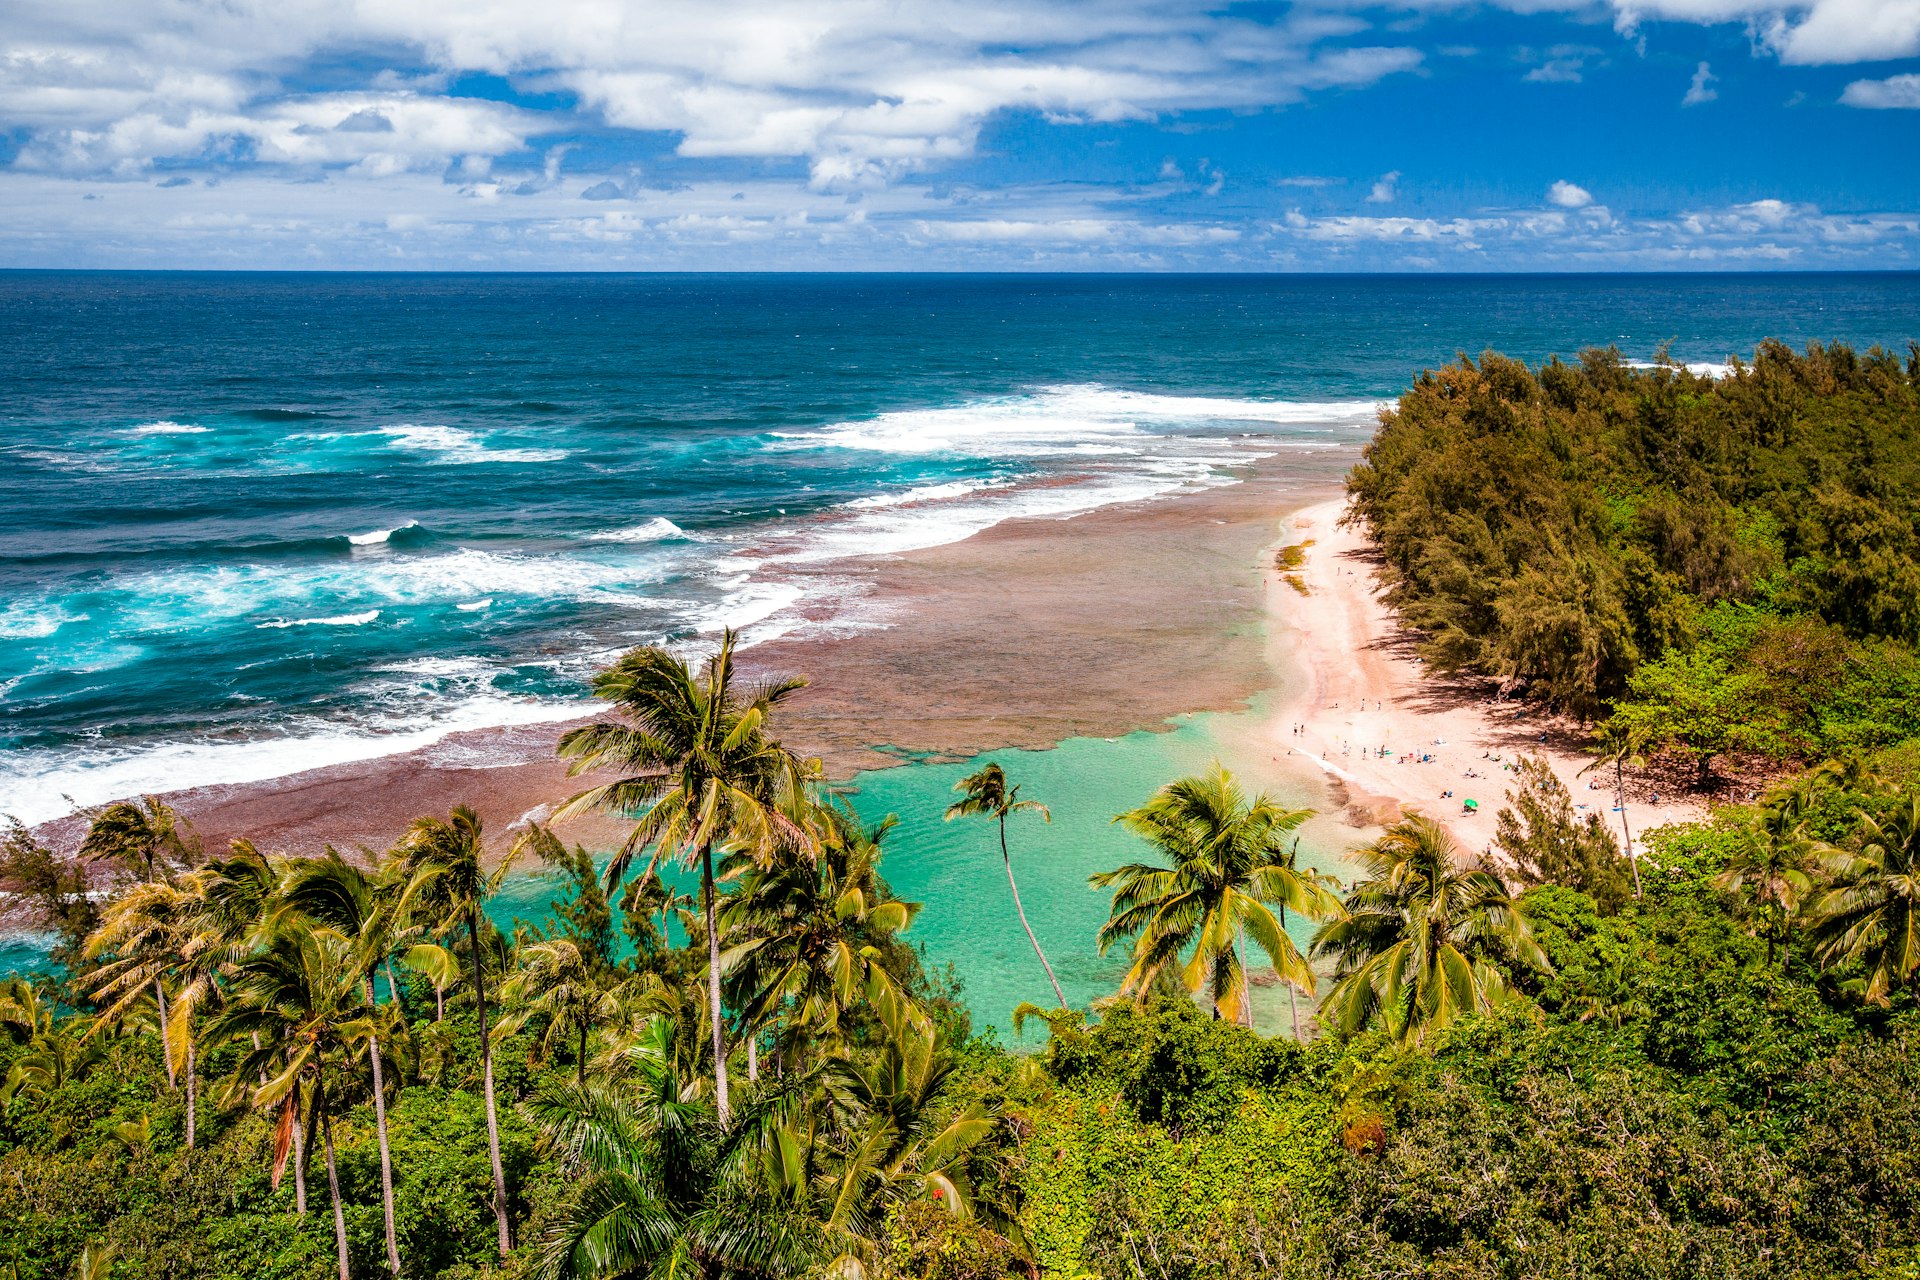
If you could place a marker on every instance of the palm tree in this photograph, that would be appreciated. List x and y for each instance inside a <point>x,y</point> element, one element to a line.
<point>147,931</point>
<point>1772,863</point>
<point>303,999</point>
<point>335,894</point>
<point>1231,864</point>
<point>811,931</point>
<point>447,881</point>
<point>1872,912</point>
<point>1423,937</point>
<point>697,763</point>
<point>988,795</point>
<point>147,839</point>
<point>50,1054</point>
<point>556,981</point>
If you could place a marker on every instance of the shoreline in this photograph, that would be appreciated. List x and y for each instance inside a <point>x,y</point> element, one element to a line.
<point>1362,686</point>
<point>1023,635</point>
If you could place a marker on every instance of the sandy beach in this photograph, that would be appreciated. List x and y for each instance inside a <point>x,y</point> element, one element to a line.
<point>1358,687</point>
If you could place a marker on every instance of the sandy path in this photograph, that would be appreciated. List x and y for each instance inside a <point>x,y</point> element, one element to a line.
<point>1357,687</point>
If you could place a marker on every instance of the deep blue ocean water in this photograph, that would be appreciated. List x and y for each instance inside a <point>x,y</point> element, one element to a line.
<point>256,523</point>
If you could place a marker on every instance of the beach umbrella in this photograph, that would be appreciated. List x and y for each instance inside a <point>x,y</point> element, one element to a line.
<point>1473,806</point>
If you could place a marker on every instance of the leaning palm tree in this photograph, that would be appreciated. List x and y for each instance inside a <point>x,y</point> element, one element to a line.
<point>1230,866</point>
<point>1620,747</point>
<point>145,935</point>
<point>302,1000</point>
<point>448,882</point>
<point>1872,912</point>
<point>147,840</point>
<point>988,796</point>
<point>334,894</point>
<point>1772,867</point>
<point>698,765</point>
<point>1424,937</point>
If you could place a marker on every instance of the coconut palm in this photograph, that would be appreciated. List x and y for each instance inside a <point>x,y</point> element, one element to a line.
<point>448,883</point>
<point>1872,912</point>
<point>553,979</point>
<point>334,894</point>
<point>1231,865</point>
<point>987,795</point>
<point>1424,937</point>
<point>302,999</point>
<point>810,932</point>
<point>146,932</point>
<point>1773,865</point>
<point>1620,747</point>
<point>147,840</point>
<point>697,763</point>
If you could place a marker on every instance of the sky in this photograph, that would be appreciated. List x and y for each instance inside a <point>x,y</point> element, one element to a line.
<point>1529,135</point>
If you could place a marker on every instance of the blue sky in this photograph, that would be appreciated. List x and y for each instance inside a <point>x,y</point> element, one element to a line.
<point>953,135</point>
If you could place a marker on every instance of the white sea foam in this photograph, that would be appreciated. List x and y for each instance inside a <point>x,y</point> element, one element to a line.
<point>653,530</point>
<point>165,428</point>
<point>452,445</point>
<point>473,606</point>
<point>1698,368</point>
<point>35,784</point>
<point>339,620</point>
<point>377,537</point>
<point>920,493</point>
<point>1072,421</point>
<point>23,621</point>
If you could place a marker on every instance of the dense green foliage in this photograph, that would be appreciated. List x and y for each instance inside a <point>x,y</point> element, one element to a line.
<point>1704,1062</point>
<point>1733,563</point>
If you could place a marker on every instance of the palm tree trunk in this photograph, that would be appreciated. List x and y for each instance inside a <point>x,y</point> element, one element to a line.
<point>299,1167</point>
<point>1620,790</point>
<point>486,1076</point>
<point>713,987</point>
<point>380,1126</point>
<point>192,1093</point>
<point>1007,859</point>
<point>333,1184</point>
<point>393,993</point>
<point>753,1056</point>
<point>580,1060</point>
<point>439,1003</point>
<point>160,998</point>
<point>1293,1003</point>
<point>1246,979</point>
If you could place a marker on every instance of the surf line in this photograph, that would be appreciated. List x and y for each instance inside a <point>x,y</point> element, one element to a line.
<point>1328,765</point>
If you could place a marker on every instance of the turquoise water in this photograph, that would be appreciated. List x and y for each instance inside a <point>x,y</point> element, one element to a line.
<point>257,523</point>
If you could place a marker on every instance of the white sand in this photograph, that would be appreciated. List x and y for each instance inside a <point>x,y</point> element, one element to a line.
<point>1359,687</point>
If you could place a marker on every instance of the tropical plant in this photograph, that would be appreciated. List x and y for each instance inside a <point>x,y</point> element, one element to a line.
<point>1424,937</point>
<point>555,981</point>
<point>1773,866</point>
<point>448,883</point>
<point>301,999</point>
<point>988,795</point>
<point>145,936</point>
<point>697,763</point>
<point>148,840</point>
<point>1231,865</point>
<point>332,893</point>
<point>810,931</point>
<point>1872,913</point>
<point>50,1054</point>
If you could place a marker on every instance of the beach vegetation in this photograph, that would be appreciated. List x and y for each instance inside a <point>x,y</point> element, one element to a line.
<point>1723,568</point>
<point>988,794</point>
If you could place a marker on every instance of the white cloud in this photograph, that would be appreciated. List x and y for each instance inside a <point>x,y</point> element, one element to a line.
<point>1892,93</point>
<point>862,91</point>
<point>1701,90</point>
<point>1556,71</point>
<point>1568,196</point>
<point>1386,190</point>
<point>1809,33</point>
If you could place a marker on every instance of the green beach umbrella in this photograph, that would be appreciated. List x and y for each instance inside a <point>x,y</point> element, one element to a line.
<point>1473,806</point>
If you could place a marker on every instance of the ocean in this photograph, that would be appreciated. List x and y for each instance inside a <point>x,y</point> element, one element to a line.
<point>257,523</point>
